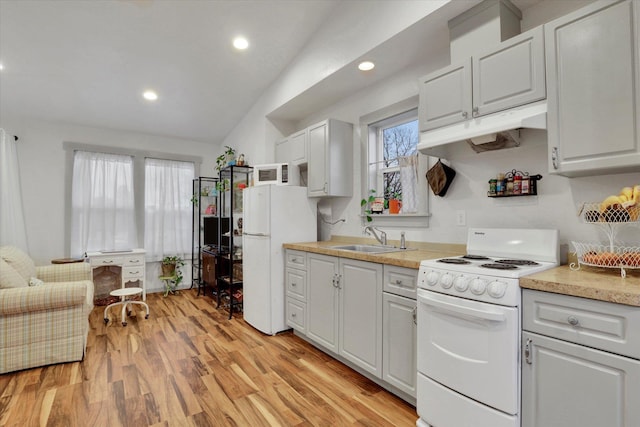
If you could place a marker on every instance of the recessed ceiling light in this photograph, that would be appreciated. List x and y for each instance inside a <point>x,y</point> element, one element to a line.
<point>1,67</point>
<point>150,95</point>
<point>366,66</point>
<point>240,43</point>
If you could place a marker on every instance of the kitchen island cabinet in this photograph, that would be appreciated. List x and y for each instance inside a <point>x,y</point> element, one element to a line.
<point>581,362</point>
<point>593,79</point>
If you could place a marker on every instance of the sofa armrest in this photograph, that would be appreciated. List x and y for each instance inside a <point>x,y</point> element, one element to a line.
<point>45,297</point>
<point>64,272</point>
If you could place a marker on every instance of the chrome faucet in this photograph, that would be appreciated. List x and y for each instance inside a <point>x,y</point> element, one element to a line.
<point>369,229</point>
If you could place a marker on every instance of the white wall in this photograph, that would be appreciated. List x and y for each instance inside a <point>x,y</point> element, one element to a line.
<point>42,162</point>
<point>555,206</point>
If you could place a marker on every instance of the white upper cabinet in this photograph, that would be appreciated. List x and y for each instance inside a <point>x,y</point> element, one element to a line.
<point>293,149</point>
<point>506,76</point>
<point>330,154</point>
<point>593,74</point>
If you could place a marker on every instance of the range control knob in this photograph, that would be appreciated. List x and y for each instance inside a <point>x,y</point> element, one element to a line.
<point>497,289</point>
<point>478,286</point>
<point>432,278</point>
<point>461,283</point>
<point>446,280</point>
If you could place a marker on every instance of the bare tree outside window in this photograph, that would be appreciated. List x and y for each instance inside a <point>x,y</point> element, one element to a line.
<point>397,141</point>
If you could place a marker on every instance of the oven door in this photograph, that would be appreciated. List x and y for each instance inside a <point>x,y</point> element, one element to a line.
<point>470,347</point>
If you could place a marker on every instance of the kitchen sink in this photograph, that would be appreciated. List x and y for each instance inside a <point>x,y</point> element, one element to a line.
<point>370,249</point>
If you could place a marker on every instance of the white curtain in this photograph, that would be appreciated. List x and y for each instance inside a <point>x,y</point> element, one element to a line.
<point>168,189</point>
<point>409,183</point>
<point>13,230</point>
<point>102,200</point>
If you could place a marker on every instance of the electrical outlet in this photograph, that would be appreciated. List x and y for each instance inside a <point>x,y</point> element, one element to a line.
<point>461,218</point>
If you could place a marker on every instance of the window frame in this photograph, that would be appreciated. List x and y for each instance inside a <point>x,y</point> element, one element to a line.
<point>392,114</point>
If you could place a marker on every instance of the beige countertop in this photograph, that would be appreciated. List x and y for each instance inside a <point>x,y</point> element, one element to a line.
<point>411,258</point>
<point>588,282</point>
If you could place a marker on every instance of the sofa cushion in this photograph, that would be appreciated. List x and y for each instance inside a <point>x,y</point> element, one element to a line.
<point>9,277</point>
<point>20,261</point>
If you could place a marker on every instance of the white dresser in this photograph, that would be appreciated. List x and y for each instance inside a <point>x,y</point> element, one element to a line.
<point>112,270</point>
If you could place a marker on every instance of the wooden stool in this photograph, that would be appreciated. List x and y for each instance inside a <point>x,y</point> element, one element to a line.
<point>123,293</point>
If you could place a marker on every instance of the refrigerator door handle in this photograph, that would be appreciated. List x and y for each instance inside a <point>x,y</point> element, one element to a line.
<point>256,234</point>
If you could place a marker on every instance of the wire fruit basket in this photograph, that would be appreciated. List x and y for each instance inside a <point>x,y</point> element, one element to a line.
<point>608,255</point>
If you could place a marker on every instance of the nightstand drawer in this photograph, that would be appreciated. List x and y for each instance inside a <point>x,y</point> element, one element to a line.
<point>133,273</point>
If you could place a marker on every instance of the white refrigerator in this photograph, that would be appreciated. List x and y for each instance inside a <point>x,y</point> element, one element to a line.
<point>272,215</point>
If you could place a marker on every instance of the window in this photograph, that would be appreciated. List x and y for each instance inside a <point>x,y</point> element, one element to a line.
<point>393,160</point>
<point>129,197</point>
<point>102,200</point>
<point>167,208</point>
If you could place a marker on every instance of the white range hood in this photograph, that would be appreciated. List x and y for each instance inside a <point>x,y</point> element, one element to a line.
<point>485,130</point>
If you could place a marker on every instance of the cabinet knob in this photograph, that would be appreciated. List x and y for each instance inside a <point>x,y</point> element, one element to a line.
<point>398,282</point>
<point>293,284</point>
<point>465,114</point>
<point>293,315</point>
<point>475,111</point>
<point>573,321</point>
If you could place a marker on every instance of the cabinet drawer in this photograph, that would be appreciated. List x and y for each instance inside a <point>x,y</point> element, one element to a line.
<point>296,259</point>
<point>599,324</point>
<point>296,284</point>
<point>400,281</point>
<point>133,272</point>
<point>296,315</point>
<point>105,261</point>
<point>133,260</point>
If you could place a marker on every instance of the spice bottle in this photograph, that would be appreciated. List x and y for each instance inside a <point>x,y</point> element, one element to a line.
<point>517,184</point>
<point>509,189</point>
<point>500,185</point>
<point>492,186</point>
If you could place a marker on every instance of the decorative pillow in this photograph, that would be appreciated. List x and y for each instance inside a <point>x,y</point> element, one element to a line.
<point>20,261</point>
<point>34,281</point>
<point>9,277</point>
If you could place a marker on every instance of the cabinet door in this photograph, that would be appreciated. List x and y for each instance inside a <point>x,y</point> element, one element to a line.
<point>283,151</point>
<point>594,90</point>
<point>511,75</point>
<point>360,320</point>
<point>399,342</point>
<point>317,169</point>
<point>322,301</point>
<point>445,96</point>
<point>570,385</point>
<point>209,269</point>
<point>298,147</point>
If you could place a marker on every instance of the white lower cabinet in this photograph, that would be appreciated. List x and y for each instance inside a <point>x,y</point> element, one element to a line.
<point>571,374</point>
<point>399,342</point>
<point>344,309</point>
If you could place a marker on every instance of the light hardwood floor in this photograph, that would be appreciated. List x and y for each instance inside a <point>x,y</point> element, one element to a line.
<point>187,365</point>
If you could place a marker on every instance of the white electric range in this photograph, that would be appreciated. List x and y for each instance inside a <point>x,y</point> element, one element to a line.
<point>469,327</point>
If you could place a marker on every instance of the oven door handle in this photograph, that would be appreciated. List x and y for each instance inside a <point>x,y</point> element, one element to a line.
<point>426,298</point>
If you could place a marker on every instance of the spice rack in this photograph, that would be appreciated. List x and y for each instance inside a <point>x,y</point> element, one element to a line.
<point>514,184</point>
<point>610,254</point>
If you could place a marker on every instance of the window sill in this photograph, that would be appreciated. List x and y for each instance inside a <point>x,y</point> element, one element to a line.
<point>405,220</point>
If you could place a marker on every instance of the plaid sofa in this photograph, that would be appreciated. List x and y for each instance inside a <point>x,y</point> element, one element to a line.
<point>44,311</point>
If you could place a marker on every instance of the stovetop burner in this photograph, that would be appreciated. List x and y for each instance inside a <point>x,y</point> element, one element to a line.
<point>453,261</point>
<point>497,266</point>
<point>475,257</point>
<point>517,262</point>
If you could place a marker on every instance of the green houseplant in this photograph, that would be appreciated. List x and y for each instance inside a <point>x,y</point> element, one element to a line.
<point>171,267</point>
<point>366,204</point>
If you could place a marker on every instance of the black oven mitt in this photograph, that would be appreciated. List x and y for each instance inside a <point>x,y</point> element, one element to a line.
<point>439,178</point>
